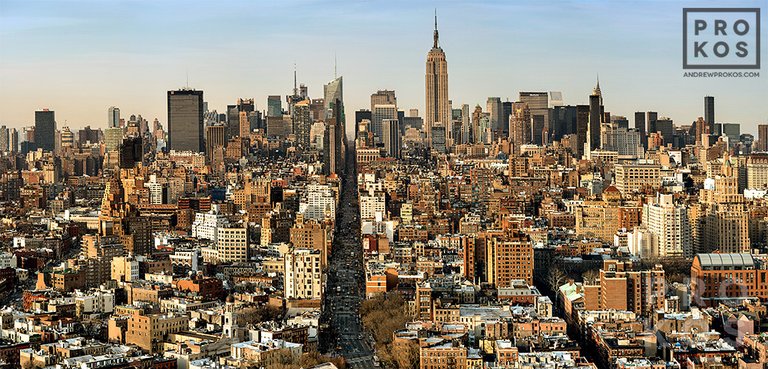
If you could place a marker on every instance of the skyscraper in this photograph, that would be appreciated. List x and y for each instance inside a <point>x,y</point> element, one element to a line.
<point>185,121</point>
<point>302,123</point>
<point>538,103</point>
<point>245,131</point>
<point>709,113</point>
<point>253,118</point>
<point>640,127</point>
<point>383,97</point>
<point>493,107</point>
<point>379,113</point>
<point>667,129</point>
<point>360,115</point>
<point>274,106</point>
<point>519,126</point>
<point>13,140</point>
<point>506,111</point>
<point>113,117</point>
<point>582,128</point>
<point>214,137</point>
<point>700,127</point>
<point>595,119</point>
<point>45,130</point>
<point>4,138</point>
<point>436,80</point>
<point>650,120</point>
<point>762,137</point>
<point>391,137</point>
<point>465,126</point>
<point>334,140</point>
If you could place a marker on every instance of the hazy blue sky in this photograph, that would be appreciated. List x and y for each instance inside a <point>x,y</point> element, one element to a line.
<point>79,57</point>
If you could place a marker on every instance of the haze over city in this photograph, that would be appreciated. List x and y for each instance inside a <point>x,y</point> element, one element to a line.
<point>80,57</point>
<point>383,184</point>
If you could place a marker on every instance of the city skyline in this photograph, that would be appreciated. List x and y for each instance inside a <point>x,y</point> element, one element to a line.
<point>84,64</point>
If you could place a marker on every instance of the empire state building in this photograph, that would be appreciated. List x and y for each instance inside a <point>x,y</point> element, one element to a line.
<point>438,110</point>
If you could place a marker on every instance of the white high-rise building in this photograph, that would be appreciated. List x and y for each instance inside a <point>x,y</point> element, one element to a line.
<point>622,140</point>
<point>205,224</point>
<point>303,274</point>
<point>318,202</point>
<point>155,190</point>
<point>373,206</point>
<point>669,223</point>
<point>757,171</point>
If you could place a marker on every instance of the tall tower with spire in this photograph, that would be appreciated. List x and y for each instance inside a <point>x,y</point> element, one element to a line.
<point>595,120</point>
<point>437,107</point>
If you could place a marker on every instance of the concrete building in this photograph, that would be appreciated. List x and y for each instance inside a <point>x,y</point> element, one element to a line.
<point>724,223</point>
<point>627,142</point>
<point>125,269</point>
<point>757,171</point>
<point>149,332</point>
<point>303,274</point>
<point>637,177</point>
<point>509,257</point>
<point>734,277</point>
<point>519,126</point>
<point>318,202</point>
<point>312,234</point>
<point>372,205</point>
<point>205,224</point>
<point>232,244</point>
<point>669,223</point>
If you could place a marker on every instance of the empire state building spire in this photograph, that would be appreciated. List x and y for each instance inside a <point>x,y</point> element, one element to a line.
<point>435,36</point>
<point>438,110</point>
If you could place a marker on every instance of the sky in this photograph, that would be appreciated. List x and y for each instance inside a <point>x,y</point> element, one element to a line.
<point>79,57</point>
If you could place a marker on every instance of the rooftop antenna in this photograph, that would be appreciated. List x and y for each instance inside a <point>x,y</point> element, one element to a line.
<point>295,90</point>
<point>436,36</point>
<point>335,75</point>
<point>187,78</point>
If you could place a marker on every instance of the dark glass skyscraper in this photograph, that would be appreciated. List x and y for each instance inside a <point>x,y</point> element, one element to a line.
<point>563,121</point>
<point>274,106</point>
<point>640,127</point>
<point>582,128</point>
<point>667,129</point>
<point>709,112</point>
<point>45,130</point>
<point>595,119</point>
<point>651,117</point>
<point>185,121</point>
<point>506,111</point>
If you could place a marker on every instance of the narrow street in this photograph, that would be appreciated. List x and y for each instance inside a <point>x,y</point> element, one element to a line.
<point>341,328</point>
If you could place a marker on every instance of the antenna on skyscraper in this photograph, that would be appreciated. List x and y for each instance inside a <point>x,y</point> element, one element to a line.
<point>435,36</point>
<point>335,75</point>
<point>187,78</point>
<point>295,90</point>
